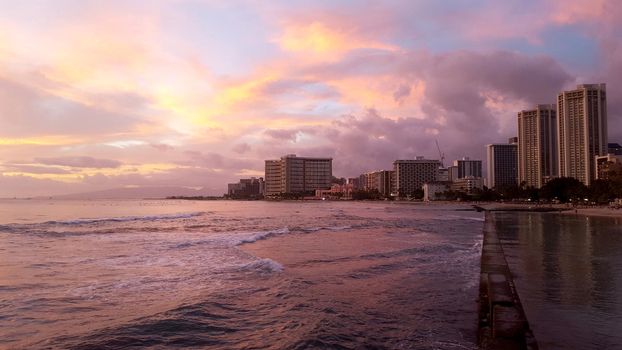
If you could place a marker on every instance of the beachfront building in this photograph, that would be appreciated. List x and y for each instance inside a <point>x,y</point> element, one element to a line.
<point>604,164</point>
<point>443,175</point>
<point>381,181</point>
<point>502,165</point>
<point>434,191</point>
<point>411,174</point>
<point>246,188</point>
<point>581,130</point>
<point>537,145</point>
<point>273,181</point>
<point>336,191</point>
<point>355,183</point>
<point>292,174</point>
<point>467,184</point>
<point>466,167</point>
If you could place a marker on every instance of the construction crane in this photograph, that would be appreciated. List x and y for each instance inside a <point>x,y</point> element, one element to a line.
<point>440,154</point>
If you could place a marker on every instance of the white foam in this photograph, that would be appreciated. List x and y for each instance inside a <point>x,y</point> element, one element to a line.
<point>264,265</point>
<point>256,236</point>
<point>128,218</point>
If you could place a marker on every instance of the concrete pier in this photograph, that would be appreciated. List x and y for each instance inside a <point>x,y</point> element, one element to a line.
<point>502,320</point>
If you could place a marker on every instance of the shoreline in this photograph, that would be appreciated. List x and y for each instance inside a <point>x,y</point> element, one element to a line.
<point>563,209</point>
<point>596,212</point>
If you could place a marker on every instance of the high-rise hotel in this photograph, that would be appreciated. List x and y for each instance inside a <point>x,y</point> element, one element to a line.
<point>537,145</point>
<point>582,130</point>
<point>292,174</point>
<point>411,174</point>
<point>502,164</point>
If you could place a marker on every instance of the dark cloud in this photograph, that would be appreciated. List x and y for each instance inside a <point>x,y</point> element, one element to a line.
<point>80,162</point>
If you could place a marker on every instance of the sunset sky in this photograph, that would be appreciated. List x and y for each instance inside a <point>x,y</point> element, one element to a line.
<point>198,93</point>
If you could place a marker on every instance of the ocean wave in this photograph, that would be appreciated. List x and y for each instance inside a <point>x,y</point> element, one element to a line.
<point>126,218</point>
<point>320,228</point>
<point>256,236</point>
<point>263,265</point>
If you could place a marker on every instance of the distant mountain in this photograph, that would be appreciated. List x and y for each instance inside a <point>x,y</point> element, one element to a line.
<point>136,193</point>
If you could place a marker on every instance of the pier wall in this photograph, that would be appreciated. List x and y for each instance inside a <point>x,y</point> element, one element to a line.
<point>502,323</point>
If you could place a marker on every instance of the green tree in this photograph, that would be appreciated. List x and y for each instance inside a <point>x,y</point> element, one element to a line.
<point>601,191</point>
<point>564,189</point>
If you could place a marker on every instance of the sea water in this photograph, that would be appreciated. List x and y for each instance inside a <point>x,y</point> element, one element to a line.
<point>568,272</point>
<point>167,274</point>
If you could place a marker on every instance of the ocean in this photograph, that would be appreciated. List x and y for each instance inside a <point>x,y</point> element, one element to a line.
<point>165,274</point>
<point>568,273</point>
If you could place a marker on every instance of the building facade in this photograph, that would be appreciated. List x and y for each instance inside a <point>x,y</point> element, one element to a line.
<point>467,184</point>
<point>537,145</point>
<point>292,174</point>
<point>411,174</point>
<point>273,185</point>
<point>581,130</point>
<point>467,168</point>
<point>604,163</point>
<point>381,181</point>
<point>246,188</point>
<point>502,165</point>
<point>435,190</point>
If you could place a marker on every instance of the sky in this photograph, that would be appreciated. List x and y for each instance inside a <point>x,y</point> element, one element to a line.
<point>198,93</point>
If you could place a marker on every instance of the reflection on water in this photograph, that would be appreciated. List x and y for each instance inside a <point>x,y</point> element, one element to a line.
<point>237,275</point>
<point>568,271</point>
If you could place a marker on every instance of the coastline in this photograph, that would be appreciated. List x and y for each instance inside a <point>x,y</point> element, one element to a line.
<point>600,212</point>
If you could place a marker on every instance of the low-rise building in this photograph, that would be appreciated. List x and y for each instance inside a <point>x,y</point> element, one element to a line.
<point>467,184</point>
<point>604,163</point>
<point>435,190</point>
<point>336,191</point>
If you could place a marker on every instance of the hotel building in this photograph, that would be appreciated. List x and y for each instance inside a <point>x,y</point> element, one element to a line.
<point>411,174</point>
<point>466,167</point>
<point>582,130</point>
<point>604,163</point>
<point>381,181</point>
<point>502,165</point>
<point>537,145</point>
<point>246,188</point>
<point>292,174</point>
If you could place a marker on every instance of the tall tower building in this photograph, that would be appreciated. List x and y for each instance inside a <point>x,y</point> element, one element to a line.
<point>537,145</point>
<point>502,165</point>
<point>582,130</point>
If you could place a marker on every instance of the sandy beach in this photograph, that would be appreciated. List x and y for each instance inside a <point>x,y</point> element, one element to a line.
<point>604,211</point>
<point>598,211</point>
